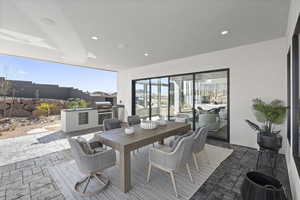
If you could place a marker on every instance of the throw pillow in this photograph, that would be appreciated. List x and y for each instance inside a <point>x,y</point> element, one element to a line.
<point>85,145</point>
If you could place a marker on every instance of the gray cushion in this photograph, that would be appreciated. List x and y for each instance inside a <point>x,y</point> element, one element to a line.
<point>94,143</point>
<point>111,124</point>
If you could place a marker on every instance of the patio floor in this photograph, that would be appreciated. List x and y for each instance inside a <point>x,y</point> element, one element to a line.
<point>29,179</point>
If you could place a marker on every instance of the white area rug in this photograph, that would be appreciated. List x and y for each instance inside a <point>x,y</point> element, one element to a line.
<point>159,187</point>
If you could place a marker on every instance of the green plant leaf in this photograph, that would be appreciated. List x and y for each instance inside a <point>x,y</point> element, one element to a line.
<point>269,114</point>
<point>253,125</point>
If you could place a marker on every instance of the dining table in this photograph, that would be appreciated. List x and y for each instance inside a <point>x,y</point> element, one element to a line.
<point>125,144</point>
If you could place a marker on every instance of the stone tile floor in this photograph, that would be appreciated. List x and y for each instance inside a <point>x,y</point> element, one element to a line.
<point>30,180</point>
<point>225,182</point>
<point>31,146</point>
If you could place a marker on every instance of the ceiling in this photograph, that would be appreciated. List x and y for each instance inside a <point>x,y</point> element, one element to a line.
<point>134,33</point>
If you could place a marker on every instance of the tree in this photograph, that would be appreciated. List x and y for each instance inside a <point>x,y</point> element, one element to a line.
<point>5,89</point>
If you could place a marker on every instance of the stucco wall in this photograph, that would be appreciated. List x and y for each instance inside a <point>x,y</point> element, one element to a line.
<point>256,70</point>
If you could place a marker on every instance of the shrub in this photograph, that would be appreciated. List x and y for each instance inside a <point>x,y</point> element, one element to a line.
<point>47,107</point>
<point>77,103</point>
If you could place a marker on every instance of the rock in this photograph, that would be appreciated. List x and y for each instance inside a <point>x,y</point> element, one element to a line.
<point>5,121</point>
<point>36,114</point>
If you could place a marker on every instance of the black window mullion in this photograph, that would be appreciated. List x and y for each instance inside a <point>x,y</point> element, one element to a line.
<point>194,97</point>
<point>133,92</point>
<point>295,87</point>
<point>169,97</point>
<point>150,99</point>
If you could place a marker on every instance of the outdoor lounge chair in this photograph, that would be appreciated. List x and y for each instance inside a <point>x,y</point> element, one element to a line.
<point>92,165</point>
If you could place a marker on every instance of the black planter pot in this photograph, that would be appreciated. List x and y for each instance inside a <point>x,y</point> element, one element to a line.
<point>258,186</point>
<point>271,142</point>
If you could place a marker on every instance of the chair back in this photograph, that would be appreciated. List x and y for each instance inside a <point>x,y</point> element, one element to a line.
<point>109,124</point>
<point>77,153</point>
<point>133,120</point>
<point>200,137</point>
<point>183,151</point>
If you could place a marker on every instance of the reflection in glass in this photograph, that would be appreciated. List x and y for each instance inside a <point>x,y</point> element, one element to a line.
<point>142,98</point>
<point>159,98</point>
<point>198,98</point>
<point>181,97</point>
<point>211,103</point>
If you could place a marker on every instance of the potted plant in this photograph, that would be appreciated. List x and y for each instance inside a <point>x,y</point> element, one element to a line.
<point>270,115</point>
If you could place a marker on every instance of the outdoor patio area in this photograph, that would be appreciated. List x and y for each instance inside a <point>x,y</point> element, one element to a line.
<point>30,179</point>
<point>150,100</point>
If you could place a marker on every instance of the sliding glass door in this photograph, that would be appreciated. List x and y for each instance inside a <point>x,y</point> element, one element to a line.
<point>181,97</point>
<point>211,96</point>
<point>142,98</point>
<point>201,97</point>
<point>159,98</point>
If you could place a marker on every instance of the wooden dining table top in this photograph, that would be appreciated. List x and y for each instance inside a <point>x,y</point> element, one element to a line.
<point>116,138</point>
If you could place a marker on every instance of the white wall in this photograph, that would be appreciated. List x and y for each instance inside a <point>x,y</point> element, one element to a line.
<point>256,70</point>
<point>293,174</point>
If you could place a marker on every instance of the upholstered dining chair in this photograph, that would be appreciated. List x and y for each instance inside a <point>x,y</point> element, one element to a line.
<point>199,137</point>
<point>133,120</point>
<point>92,165</point>
<point>109,124</point>
<point>170,161</point>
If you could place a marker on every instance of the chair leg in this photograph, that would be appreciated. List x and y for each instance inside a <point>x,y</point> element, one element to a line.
<point>149,172</point>
<point>189,172</point>
<point>173,182</point>
<point>196,162</point>
<point>87,183</point>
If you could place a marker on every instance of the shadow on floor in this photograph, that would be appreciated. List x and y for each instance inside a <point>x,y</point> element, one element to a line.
<point>58,135</point>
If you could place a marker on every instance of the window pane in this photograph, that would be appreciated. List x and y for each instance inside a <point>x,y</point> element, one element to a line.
<point>211,103</point>
<point>142,89</point>
<point>159,98</point>
<point>181,97</point>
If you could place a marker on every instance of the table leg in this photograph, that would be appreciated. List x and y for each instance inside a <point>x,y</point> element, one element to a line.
<point>125,169</point>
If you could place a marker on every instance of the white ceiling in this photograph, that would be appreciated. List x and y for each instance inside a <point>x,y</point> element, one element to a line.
<point>61,30</point>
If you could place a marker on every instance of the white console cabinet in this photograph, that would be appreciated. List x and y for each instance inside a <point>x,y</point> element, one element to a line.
<point>79,119</point>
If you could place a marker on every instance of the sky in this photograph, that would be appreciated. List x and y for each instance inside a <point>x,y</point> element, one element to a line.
<point>86,79</point>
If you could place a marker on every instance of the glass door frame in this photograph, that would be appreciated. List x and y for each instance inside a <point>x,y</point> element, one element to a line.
<point>133,96</point>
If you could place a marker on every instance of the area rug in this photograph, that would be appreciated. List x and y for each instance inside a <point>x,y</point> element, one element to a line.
<point>160,186</point>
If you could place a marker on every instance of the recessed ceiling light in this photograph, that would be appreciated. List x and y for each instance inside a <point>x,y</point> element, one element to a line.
<point>225,32</point>
<point>146,54</point>
<point>95,38</point>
